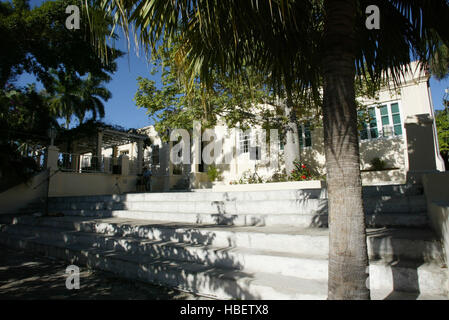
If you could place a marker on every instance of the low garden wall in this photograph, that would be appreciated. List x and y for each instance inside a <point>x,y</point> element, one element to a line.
<point>76,184</point>
<point>312,184</point>
<point>19,196</point>
<point>436,189</point>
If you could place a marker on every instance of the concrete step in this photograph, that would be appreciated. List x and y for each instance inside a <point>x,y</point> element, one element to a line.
<point>393,190</point>
<point>300,220</point>
<point>384,204</point>
<point>199,196</point>
<point>388,244</point>
<point>418,219</point>
<point>243,259</point>
<point>410,276</point>
<point>299,194</point>
<point>200,279</point>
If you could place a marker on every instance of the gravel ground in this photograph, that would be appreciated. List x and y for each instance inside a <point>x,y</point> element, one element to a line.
<point>24,276</point>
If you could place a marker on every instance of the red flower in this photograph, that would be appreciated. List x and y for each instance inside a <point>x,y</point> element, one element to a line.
<point>303,177</point>
<point>303,166</point>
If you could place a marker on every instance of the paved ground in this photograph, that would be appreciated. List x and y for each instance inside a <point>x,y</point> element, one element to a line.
<point>26,276</point>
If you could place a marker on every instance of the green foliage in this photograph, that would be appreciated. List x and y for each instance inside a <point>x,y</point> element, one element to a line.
<point>442,122</point>
<point>303,172</point>
<point>278,176</point>
<point>37,41</point>
<point>378,164</point>
<point>24,120</point>
<point>440,62</point>
<point>73,95</point>
<point>214,174</point>
<point>176,104</point>
<point>24,115</point>
<point>248,178</point>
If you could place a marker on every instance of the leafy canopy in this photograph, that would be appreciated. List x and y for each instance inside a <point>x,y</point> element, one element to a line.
<point>37,41</point>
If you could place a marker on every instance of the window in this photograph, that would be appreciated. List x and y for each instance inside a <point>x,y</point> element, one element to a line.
<point>281,144</point>
<point>384,121</point>
<point>305,135</point>
<point>244,142</point>
<point>255,153</point>
<point>281,138</point>
<point>396,117</point>
<point>369,129</point>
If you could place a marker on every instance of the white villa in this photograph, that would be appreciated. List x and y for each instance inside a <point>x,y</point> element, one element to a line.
<point>402,133</point>
<point>263,241</point>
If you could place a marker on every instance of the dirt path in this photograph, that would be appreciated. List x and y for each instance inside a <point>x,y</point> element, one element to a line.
<point>27,276</point>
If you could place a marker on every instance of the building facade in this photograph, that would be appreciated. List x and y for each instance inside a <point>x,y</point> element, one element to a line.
<point>398,142</point>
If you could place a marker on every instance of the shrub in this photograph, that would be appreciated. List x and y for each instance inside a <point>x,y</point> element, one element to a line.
<point>378,164</point>
<point>214,174</point>
<point>302,172</point>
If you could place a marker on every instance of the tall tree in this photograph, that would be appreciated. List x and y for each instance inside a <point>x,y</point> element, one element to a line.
<point>442,122</point>
<point>75,96</point>
<point>93,93</point>
<point>65,100</point>
<point>176,105</point>
<point>37,41</point>
<point>440,62</point>
<point>300,42</point>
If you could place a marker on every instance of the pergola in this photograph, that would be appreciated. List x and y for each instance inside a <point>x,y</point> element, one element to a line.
<point>105,138</point>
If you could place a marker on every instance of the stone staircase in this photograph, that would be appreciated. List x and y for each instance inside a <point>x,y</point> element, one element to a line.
<point>238,245</point>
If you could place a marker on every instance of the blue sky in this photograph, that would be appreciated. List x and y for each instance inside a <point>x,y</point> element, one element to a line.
<point>121,109</point>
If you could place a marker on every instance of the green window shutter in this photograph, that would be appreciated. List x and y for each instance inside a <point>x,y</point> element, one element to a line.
<point>373,123</point>
<point>364,127</point>
<point>301,142</point>
<point>384,115</point>
<point>281,140</point>
<point>308,135</point>
<point>396,116</point>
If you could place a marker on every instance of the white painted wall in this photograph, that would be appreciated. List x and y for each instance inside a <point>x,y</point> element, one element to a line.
<point>413,99</point>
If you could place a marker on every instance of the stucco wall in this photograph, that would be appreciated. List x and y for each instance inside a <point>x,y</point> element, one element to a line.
<point>75,184</point>
<point>19,196</point>
<point>436,189</point>
<point>413,99</point>
<point>391,150</point>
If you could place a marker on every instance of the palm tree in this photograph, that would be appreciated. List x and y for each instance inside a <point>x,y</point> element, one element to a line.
<point>93,93</point>
<point>299,43</point>
<point>72,95</point>
<point>64,95</point>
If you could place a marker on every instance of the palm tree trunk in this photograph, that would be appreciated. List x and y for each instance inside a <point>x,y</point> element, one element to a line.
<point>348,259</point>
<point>291,149</point>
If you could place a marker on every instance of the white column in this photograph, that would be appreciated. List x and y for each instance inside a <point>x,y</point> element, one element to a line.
<point>139,156</point>
<point>98,151</point>
<point>196,147</point>
<point>420,146</point>
<point>125,165</point>
<point>52,158</point>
